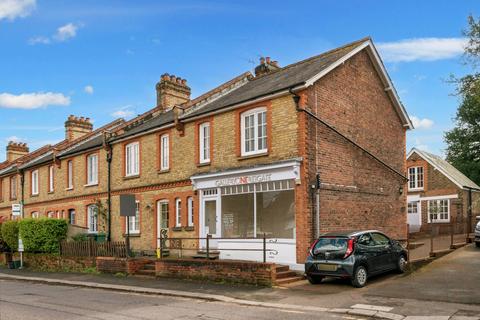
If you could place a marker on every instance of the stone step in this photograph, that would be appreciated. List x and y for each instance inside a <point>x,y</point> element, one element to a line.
<point>288,280</point>
<point>458,245</point>
<point>282,268</point>
<point>286,274</point>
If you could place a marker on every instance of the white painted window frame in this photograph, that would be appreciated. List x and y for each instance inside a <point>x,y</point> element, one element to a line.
<point>204,145</point>
<point>132,159</point>
<point>438,220</point>
<point>92,169</point>
<point>51,185</point>
<point>134,221</point>
<point>34,181</point>
<point>190,211</point>
<point>164,152</point>
<point>416,180</point>
<point>178,212</point>
<point>70,174</point>
<point>92,219</point>
<point>256,150</point>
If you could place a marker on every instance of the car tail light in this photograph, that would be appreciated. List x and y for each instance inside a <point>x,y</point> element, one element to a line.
<point>349,249</point>
<point>311,247</point>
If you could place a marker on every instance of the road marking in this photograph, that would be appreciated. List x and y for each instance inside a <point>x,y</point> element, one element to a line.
<point>372,307</point>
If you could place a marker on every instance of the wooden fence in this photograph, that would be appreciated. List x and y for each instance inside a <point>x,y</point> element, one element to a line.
<point>91,248</point>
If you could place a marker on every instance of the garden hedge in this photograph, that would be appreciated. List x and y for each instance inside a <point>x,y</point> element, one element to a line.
<point>10,234</point>
<point>42,235</point>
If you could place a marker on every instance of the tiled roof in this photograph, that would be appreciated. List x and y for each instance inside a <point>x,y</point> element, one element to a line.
<point>446,168</point>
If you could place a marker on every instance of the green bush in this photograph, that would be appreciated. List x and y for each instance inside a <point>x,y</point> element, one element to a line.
<point>42,235</point>
<point>10,234</point>
<point>3,245</point>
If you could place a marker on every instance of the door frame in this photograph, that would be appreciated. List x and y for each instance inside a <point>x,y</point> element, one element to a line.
<point>159,218</point>
<point>210,197</point>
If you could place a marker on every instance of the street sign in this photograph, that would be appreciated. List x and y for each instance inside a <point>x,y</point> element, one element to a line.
<point>16,209</point>
<point>128,207</point>
<point>20,245</point>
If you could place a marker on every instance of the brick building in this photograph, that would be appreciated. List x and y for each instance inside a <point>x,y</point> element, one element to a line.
<point>288,152</point>
<point>439,193</point>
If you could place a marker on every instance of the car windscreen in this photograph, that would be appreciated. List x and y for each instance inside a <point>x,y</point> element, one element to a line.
<point>334,246</point>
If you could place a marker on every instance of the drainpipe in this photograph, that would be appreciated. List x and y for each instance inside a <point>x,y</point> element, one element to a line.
<point>315,189</point>
<point>22,186</point>
<point>108,147</point>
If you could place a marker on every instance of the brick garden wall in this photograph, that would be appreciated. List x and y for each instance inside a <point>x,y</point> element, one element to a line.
<point>263,274</point>
<point>53,263</point>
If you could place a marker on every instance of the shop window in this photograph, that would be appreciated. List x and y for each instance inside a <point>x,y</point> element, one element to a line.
<point>276,214</point>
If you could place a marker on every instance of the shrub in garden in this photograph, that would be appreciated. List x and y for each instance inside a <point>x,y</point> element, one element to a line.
<point>10,234</point>
<point>42,235</point>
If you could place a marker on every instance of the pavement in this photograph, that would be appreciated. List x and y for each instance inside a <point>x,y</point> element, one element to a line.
<point>445,289</point>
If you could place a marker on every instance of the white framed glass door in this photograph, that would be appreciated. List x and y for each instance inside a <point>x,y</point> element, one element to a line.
<point>162,220</point>
<point>210,217</point>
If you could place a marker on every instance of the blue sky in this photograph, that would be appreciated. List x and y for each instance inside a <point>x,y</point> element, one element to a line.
<point>101,59</point>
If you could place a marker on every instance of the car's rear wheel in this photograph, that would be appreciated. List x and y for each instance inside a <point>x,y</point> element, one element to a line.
<point>401,264</point>
<point>314,279</point>
<point>360,276</point>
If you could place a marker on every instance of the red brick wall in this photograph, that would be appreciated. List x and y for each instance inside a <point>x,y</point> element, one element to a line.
<point>231,271</point>
<point>112,265</point>
<point>357,191</point>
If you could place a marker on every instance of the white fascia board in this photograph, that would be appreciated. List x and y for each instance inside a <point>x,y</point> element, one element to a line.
<point>449,196</point>
<point>381,70</point>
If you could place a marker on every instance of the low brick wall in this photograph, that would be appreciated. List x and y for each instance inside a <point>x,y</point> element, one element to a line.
<point>263,274</point>
<point>124,265</point>
<point>53,262</point>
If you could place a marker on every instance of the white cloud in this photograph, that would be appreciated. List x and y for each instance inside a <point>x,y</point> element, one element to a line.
<point>14,139</point>
<point>39,40</point>
<point>421,49</point>
<point>12,9</point>
<point>33,100</point>
<point>88,89</point>
<point>66,32</point>
<point>63,33</point>
<point>123,112</point>
<point>421,123</point>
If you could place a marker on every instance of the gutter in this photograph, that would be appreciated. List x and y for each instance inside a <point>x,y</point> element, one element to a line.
<point>296,98</point>
<point>109,185</point>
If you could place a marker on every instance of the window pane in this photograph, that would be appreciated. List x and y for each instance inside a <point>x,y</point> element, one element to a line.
<point>164,215</point>
<point>237,216</point>
<point>276,214</point>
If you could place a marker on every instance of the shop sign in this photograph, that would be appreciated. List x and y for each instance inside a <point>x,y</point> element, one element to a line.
<point>243,180</point>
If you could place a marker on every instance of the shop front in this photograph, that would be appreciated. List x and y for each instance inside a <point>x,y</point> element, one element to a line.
<point>239,207</point>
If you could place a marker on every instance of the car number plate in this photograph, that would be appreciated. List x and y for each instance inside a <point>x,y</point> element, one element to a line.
<point>326,267</point>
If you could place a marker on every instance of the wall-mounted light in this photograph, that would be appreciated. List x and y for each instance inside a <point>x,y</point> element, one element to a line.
<point>400,190</point>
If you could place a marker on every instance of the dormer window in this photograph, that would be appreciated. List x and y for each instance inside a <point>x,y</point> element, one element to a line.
<point>415,178</point>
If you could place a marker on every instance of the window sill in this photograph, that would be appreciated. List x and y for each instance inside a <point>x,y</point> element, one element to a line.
<point>51,192</point>
<point>415,189</point>
<point>177,229</point>
<point>204,164</point>
<point>136,176</point>
<point>132,235</point>
<point>162,171</point>
<point>256,155</point>
<point>91,185</point>
<point>69,189</point>
<point>34,195</point>
<point>190,228</point>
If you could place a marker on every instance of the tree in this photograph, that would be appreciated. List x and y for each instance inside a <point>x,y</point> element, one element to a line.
<point>463,141</point>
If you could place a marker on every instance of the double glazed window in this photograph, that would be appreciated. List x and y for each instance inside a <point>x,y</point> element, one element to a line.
<point>190,211</point>
<point>178,212</point>
<point>132,159</point>
<point>92,218</point>
<point>164,152</point>
<point>34,182</point>
<point>70,174</point>
<point>439,210</point>
<point>92,169</point>
<point>50,179</point>
<point>254,131</point>
<point>204,145</point>
<point>134,222</point>
<point>415,177</point>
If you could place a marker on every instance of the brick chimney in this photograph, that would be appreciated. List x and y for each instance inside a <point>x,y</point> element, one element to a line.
<point>76,127</point>
<point>16,150</point>
<point>266,66</point>
<point>171,91</point>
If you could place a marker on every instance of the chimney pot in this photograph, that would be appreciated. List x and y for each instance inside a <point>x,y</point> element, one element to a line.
<point>262,60</point>
<point>267,59</point>
<point>172,91</point>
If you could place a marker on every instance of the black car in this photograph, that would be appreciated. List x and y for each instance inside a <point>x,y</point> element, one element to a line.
<point>354,255</point>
